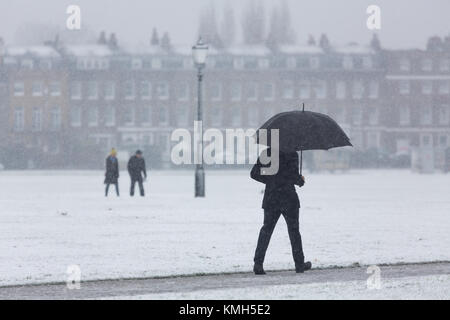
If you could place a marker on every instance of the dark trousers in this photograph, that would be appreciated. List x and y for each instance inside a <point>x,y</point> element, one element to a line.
<point>133,183</point>
<point>107,188</point>
<point>270,220</point>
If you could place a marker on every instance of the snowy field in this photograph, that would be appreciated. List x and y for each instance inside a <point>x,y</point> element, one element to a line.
<point>50,220</point>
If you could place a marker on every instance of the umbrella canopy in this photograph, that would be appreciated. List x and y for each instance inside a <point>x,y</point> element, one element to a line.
<point>305,130</point>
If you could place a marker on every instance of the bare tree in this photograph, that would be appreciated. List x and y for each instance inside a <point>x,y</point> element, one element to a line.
<point>228,26</point>
<point>253,23</point>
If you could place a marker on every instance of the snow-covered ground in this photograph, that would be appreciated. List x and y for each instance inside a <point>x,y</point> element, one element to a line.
<point>435,287</point>
<point>50,220</point>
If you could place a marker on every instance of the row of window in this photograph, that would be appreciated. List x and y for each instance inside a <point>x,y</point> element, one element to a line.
<point>37,119</point>
<point>426,65</point>
<point>252,91</point>
<point>427,87</point>
<point>426,115</point>
<point>38,88</point>
<point>214,114</point>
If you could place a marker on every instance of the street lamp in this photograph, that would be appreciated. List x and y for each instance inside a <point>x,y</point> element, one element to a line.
<point>199,53</point>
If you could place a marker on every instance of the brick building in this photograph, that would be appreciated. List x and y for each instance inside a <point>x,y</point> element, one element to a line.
<point>390,101</point>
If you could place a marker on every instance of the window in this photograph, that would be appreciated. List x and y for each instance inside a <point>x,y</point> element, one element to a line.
<point>357,116</point>
<point>162,91</point>
<point>305,89</point>
<point>445,65</point>
<point>216,92</point>
<point>373,140</point>
<point>427,65</point>
<point>129,90</point>
<point>136,64</point>
<point>163,115</point>
<point>358,89</point>
<point>55,118</point>
<point>183,92</point>
<point>341,90</point>
<point>147,114</point>
<point>426,118</point>
<point>347,62</point>
<point>75,90</point>
<point>146,90</point>
<point>27,64</point>
<point>268,91</point>
<point>340,115</point>
<point>92,90</point>
<point>93,116</point>
<point>367,62</point>
<point>373,89</point>
<point>182,115</point>
<point>238,63</point>
<point>404,87</point>
<point>314,62</point>
<point>405,64</point>
<point>236,91</point>
<point>55,88</point>
<point>36,121</point>
<point>426,140</point>
<point>427,87</point>
<point>291,63</point>
<point>156,63</point>
<point>19,119</point>
<point>288,90</point>
<point>236,116</point>
<point>75,116</point>
<point>19,89</point>
<point>373,116</point>
<point>320,89</point>
<point>444,87</point>
<point>404,115</point>
<point>110,116</point>
<point>263,63</point>
<point>252,114</point>
<point>216,115</point>
<point>37,88</point>
<point>129,116</point>
<point>252,94</point>
<point>110,90</point>
<point>443,141</point>
<point>444,114</point>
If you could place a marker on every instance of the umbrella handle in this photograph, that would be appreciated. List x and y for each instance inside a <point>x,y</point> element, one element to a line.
<point>301,161</point>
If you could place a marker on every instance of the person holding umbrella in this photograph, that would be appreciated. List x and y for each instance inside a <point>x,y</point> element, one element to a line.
<point>298,131</point>
<point>280,198</point>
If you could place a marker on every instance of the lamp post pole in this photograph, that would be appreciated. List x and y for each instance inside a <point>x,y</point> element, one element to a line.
<point>199,53</point>
<point>199,170</point>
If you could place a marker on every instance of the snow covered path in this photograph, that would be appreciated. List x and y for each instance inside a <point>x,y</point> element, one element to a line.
<point>51,220</point>
<point>412,281</point>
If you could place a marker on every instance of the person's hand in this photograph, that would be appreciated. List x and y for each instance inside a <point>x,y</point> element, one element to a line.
<point>302,181</point>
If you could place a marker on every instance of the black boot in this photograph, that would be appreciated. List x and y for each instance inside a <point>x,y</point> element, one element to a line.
<point>303,267</point>
<point>258,269</point>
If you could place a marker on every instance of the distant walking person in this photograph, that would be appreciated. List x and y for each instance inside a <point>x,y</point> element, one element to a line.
<point>112,172</point>
<point>280,198</point>
<point>136,167</point>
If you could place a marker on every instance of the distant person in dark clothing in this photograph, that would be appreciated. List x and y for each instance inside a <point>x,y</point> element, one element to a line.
<point>112,172</point>
<point>136,168</point>
<point>280,198</point>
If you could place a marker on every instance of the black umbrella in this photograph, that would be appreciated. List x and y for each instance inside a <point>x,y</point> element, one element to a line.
<point>305,130</point>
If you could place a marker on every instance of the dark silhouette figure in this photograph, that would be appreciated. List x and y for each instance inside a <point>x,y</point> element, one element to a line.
<point>112,172</point>
<point>136,167</point>
<point>280,198</point>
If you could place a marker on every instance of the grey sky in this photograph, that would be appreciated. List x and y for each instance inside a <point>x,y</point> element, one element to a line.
<point>405,23</point>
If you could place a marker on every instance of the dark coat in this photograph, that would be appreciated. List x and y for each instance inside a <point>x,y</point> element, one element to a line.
<point>136,167</point>
<point>280,191</point>
<point>112,170</point>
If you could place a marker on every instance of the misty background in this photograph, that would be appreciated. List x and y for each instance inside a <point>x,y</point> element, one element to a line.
<point>404,23</point>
